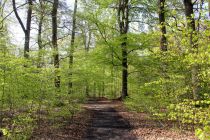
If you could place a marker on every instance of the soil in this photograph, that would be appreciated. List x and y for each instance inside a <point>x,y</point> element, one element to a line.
<point>106,123</point>
<point>111,121</point>
<point>62,128</point>
<point>104,119</point>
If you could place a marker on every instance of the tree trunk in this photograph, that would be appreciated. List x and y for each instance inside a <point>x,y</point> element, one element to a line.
<point>89,40</point>
<point>71,57</point>
<point>40,63</point>
<point>55,43</point>
<point>163,41</point>
<point>123,14</point>
<point>194,46</point>
<point>87,88</point>
<point>209,6</point>
<point>87,48</point>
<point>26,29</point>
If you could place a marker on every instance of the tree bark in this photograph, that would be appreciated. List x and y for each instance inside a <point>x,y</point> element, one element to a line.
<point>123,21</point>
<point>71,57</point>
<point>89,41</point>
<point>87,48</point>
<point>163,40</point>
<point>40,63</point>
<point>26,29</point>
<point>55,43</point>
<point>194,46</point>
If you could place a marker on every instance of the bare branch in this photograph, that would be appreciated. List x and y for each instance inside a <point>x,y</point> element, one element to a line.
<point>17,16</point>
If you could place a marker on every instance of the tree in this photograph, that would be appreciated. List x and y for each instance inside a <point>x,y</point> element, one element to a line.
<point>26,29</point>
<point>40,28</point>
<point>87,42</point>
<point>123,21</point>
<point>55,43</point>
<point>2,8</point>
<point>71,57</point>
<point>163,41</point>
<point>193,44</point>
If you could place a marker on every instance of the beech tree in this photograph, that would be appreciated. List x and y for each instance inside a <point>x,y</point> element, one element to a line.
<point>26,29</point>
<point>123,21</point>
<point>163,41</point>
<point>71,52</point>
<point>193,44</point>
<point>55,42</point>
<point>40,29</point>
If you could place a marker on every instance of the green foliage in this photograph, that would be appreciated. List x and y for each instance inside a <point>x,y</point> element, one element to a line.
<point>189,111</point>
<point>25,91</point>
<point>159,83</point>
<point>203,134</point>
<point>5,132</point>
<point>23,127</point>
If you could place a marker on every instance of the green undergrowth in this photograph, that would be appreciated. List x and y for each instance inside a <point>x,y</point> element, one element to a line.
<point>19,123</point>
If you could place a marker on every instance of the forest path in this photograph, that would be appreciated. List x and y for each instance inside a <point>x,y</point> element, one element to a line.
<point>106,123</point>
<point>103,119</point>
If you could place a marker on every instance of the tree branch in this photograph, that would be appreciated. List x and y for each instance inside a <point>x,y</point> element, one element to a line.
<point>12,12</point>
<point>17,16</point>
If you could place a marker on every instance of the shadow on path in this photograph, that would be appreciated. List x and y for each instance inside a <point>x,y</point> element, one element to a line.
<point>106,123</point>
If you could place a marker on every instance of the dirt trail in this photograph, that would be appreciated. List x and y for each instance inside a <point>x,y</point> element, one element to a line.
<point>106,123</point>
<point>109,120</point>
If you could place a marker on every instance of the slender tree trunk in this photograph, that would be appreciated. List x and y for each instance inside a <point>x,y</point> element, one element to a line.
<point>89,40</point>
<point>94,89</point>
<point>103,89</point>
<point>87,48</point>
<point>163,41</point>
<point>26,29</point>
<point>123,14</point>
<point>55,43</point>
<point>86,88</point>
<point>71,57</point>
<point>40,63</point>
<point>3,88</point>
<point>194,46</point>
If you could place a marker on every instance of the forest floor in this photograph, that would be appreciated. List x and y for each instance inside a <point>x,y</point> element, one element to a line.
<point>109,120</point>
